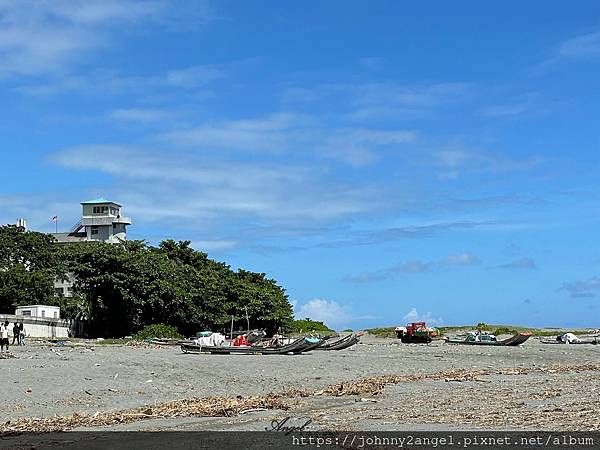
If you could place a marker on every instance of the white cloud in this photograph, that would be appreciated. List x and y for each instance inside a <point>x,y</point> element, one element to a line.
<point>460,259</point>
<point>457,160</point>
<point>109,82</point>
<point>372,62</point>
<point>141,115</point>
<point>218,189</point>
<point>414,316</point>
<point>584,47</point>
<point>521,263</point>
<point>194,76</point>
<point>506,110</point>
<point>265,134</point>
<point>580,47</point>
<point>415,267</point>
<point>376,100</point>
<point>216,245</point>
<point>294,134</point>
<point>582,288</point>
<point>41,36</point>
<point>331,313</point>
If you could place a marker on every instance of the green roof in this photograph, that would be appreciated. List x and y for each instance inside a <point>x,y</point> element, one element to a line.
<point>100,200</point>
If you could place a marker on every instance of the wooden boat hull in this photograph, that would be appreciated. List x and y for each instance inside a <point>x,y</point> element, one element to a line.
<point>512,341</point>
<point>309,346</point>
<point>298,346</point>
<point>340,344</point>
<point>594,342</point>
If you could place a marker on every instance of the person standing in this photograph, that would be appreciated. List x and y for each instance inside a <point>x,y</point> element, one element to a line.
<point>21,334</point>
<point>16,333</point>
<point>4,336</point>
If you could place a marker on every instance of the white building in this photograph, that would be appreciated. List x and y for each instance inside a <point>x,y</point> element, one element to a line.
<point>101,221</point>
<point>42,311</point>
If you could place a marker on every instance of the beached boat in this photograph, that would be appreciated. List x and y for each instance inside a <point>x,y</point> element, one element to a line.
<point>164,341</point>
<point>341,344</point>
<point>310,344</point>
<point>478,338</point>
<point>571,339</point>
<point>297,346</point>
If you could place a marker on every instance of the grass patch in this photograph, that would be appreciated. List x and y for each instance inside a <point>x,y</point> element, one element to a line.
<point>113,341</point>
<point>384,332</point>
<point>159,331</point>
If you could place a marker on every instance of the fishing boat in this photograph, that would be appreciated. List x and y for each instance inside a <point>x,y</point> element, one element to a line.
<point>482,338</point>
<point>310,344</point>
<point>298,346</point>
<point>341,344</point>
<point>164,341</point>
<point>571,339</point>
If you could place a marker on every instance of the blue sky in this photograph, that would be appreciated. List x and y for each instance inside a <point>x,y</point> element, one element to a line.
<point>384,161</point>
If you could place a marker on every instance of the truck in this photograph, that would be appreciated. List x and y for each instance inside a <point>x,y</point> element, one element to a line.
<point>415,333</point>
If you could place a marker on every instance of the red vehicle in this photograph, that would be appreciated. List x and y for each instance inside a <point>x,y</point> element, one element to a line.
<point>415,332</point>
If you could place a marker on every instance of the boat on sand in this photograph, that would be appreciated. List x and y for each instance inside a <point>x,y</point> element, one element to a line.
<point>482,338</point>
<point>341,344</point>
<point>300,345</point>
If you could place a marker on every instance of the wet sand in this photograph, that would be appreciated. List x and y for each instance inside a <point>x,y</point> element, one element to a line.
<point>45,380</point>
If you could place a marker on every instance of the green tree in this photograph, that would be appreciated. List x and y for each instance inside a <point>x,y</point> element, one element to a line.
<point>29,262</point>
<point>120,288</point>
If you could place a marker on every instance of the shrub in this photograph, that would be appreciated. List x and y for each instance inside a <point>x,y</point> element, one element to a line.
<point>307,326</point>
<point>483,326</point>
<point>158,331</point>
<point>385,332</point>
<point>504,330</point>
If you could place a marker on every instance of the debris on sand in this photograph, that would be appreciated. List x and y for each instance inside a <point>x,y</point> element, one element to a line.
<point>7,355</point>
<point>193,407</point>
<point>230,406</point>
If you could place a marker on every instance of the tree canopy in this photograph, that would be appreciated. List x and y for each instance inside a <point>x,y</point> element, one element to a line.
<point>120,288</point>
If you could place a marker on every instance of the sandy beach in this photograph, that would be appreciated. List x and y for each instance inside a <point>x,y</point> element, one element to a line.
<point>404,386</point>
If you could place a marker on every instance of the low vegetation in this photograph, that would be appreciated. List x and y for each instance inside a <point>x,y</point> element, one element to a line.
<point>160,331</point>
<point>388,332</point>
<point>385,332</point>
<point>309,326</point>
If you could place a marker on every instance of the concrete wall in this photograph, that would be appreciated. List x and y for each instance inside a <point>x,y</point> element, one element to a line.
<point>38,327</point>
<point>104,233</point>
<point>119,232</point>
<point>42,311</point>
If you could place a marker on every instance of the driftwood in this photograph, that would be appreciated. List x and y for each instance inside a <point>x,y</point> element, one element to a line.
<point>230,406</point>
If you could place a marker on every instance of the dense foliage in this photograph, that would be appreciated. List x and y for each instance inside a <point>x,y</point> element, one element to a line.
<point>159,330</point>
<point>120,288</point>
<point>28,265</point>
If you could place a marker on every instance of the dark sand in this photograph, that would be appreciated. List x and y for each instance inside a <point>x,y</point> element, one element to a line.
<point>44,380</point>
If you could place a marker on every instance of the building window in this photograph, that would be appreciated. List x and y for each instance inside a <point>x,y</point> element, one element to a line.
<point>58,292</point>
<point>100,209</point>
<point>43,313</point>
<point>55,315</point>
<point>94,230</point>
<point>114,211</point>
<point>26,312</point>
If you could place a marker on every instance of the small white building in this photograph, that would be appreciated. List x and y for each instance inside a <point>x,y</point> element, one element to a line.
<point>42,311</point>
